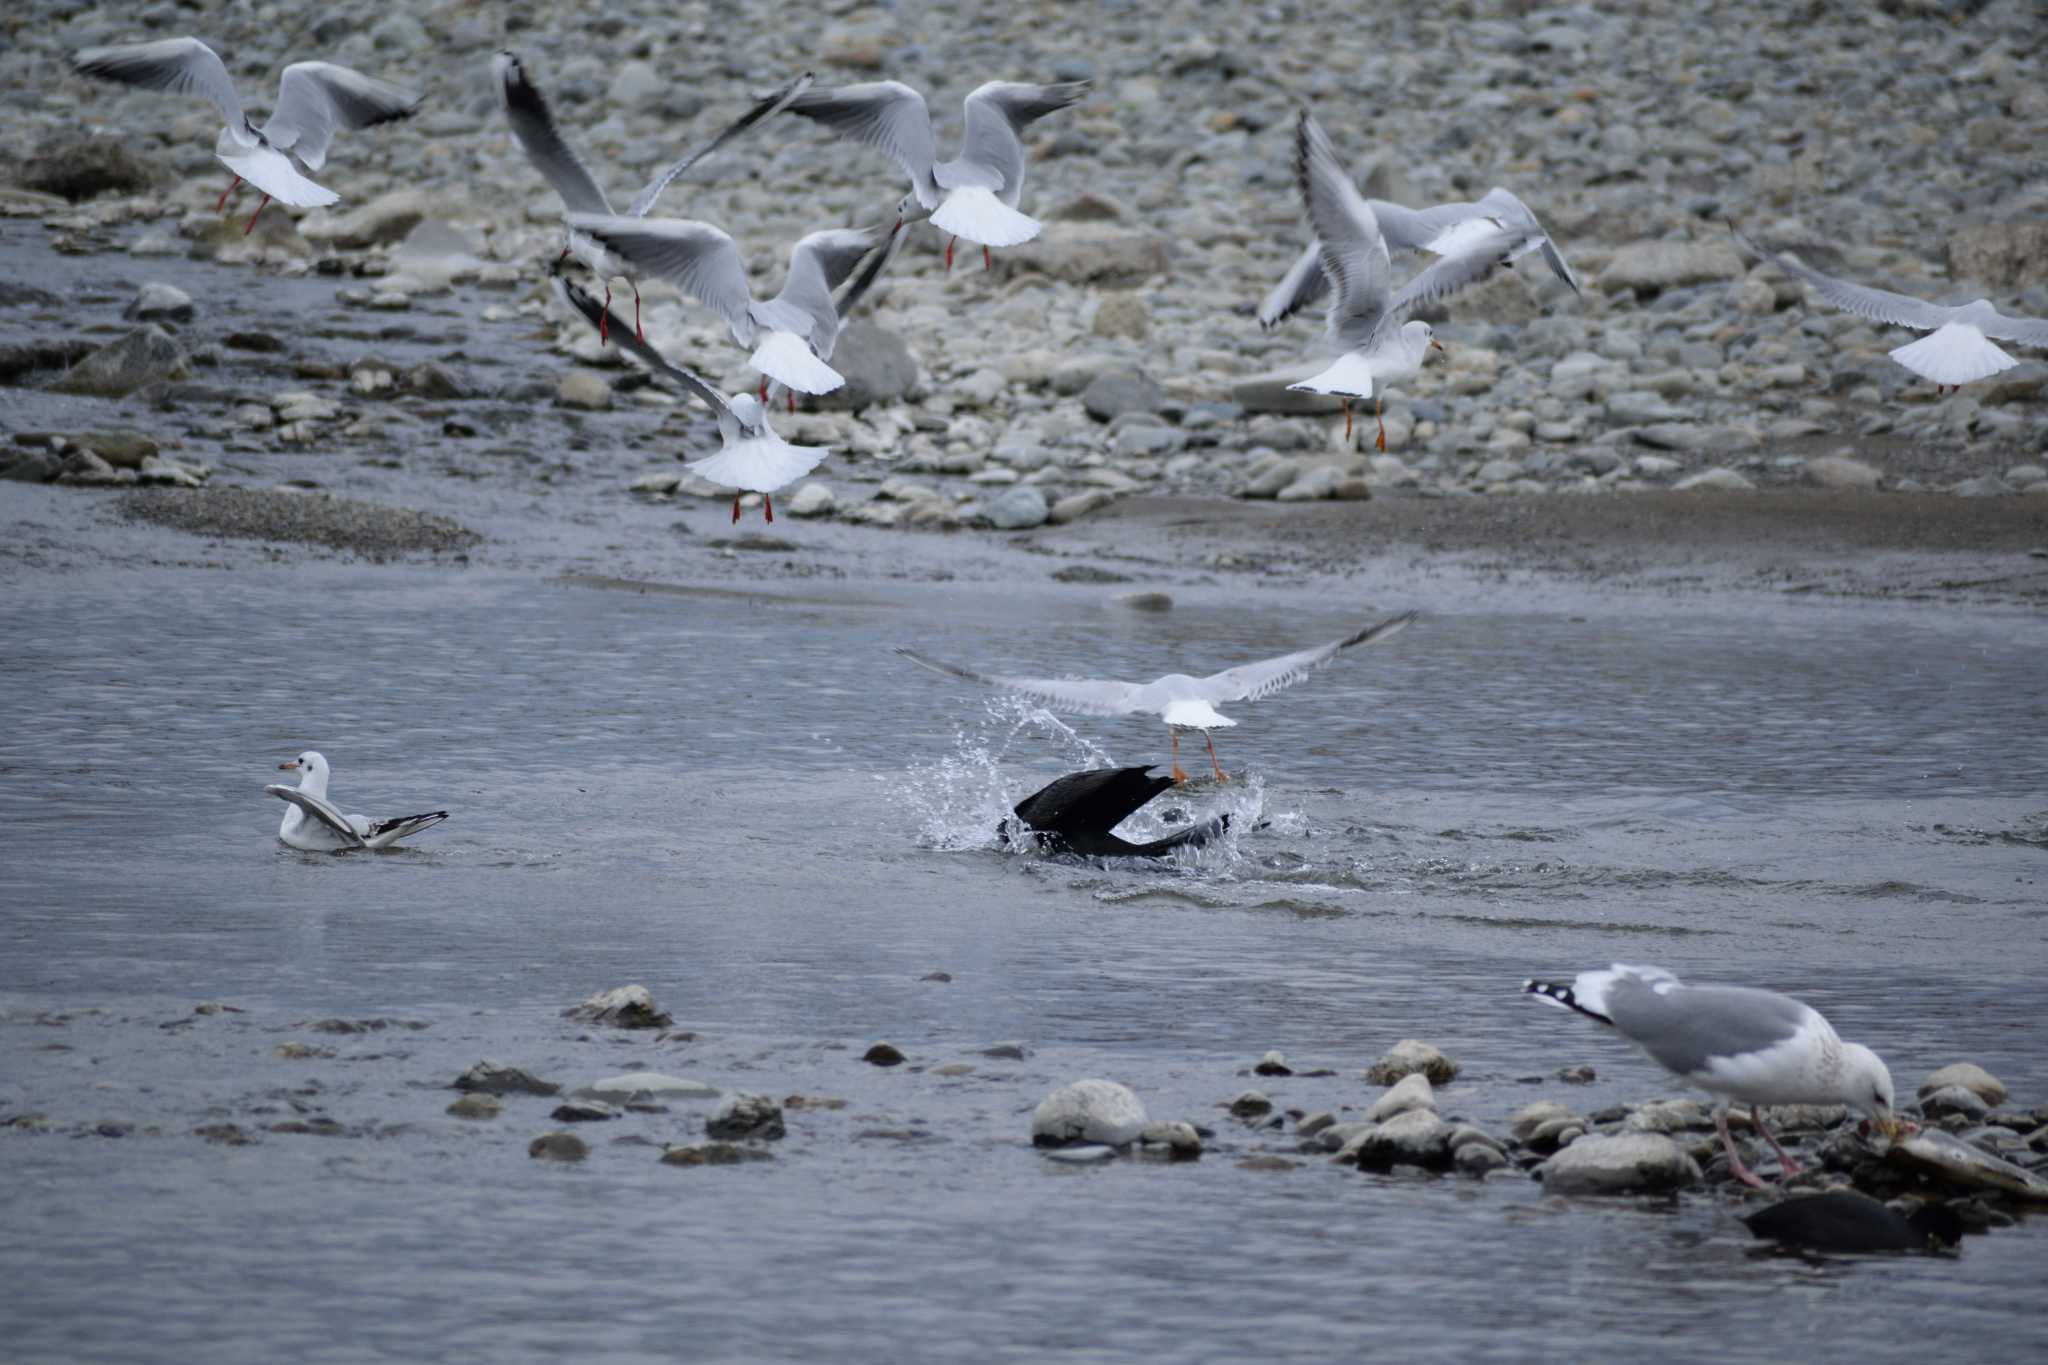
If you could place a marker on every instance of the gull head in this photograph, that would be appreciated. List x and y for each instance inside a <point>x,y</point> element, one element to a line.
<point>1866,1084</point>
<point>309,763</point>
<point>1418,339</point>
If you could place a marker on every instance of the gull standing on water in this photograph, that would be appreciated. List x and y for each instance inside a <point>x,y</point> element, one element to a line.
<point>1958,349</point>
<point>975,194</point>
<point>1454,229</point>
<point>1746,1045</point>
<point>314,101</point>
<point>1184,703</point>
<point>533,128</point>
<point>1365,320</point>
<point>314,825</point>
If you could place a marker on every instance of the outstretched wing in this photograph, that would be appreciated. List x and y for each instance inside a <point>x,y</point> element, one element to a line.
<point>1878,305</point>
<point>1354,255</point>
<point>1249,682</point>
<point>179,66</point>
<point>1086,696</point>
<point>317,99</point>
<point>997,114</point>
<point>1450,274</point>
<point>886,115</point>
<point>2025,331</point>
<point>766,107</point>
<point>319,810</point>
<point>689,382</point>
<point>818,264</point>
<point>1301,286</point>
<point>695,257</point>
<point>533,126</point>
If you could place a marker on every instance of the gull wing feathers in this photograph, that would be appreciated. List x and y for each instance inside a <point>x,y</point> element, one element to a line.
<point>1088,696</point>
<point>1301,286</point>
<point>695,257</point>
<point>1878,305</point>
<point>1449,275</point>
<point>533,127</point>
<point>315,100</point>
<point>818,264</point>
<point>996,115</point>
<point>179,66</point>
<point>319,810</point>
<point>688,381</point>
<point>886,115</point>
<point>2025,331</point>
<point>766,107</point>
<point>1250,682</point>
<point>1354,254</point>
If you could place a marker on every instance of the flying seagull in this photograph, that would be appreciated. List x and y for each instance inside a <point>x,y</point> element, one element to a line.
<point>1745,1045</point>
<point>534,128</point>
<point>312,824</point>
<point>314,101</point>
<point>1184,703</point>
<point>1452,229</point>
<point>975,194</point>
<point>1958,348</point>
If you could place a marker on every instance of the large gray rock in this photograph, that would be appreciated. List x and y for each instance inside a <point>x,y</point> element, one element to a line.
<point>1018,508</point>
<point>1624,1163</point>
<point>1409,1093</point>
<point>159,302</point>
<point>489,1078</point>
<point>1648,267</point>
<point>814,499</point>
<point>145,356</point>
<point>1416,1138</point>
<point>877,364</point>
<point>1839,471</point>
<point>1094,253</point>
<point>621,1007</point>
<point>1714,481</point>
<point>1971,1077</point>
<point>79,166</point>
<point>741,1115</point>
<point>647,1085</point>
<point>1409,1057</point>
<point>1090,1111</point>
<point>2006,255</point>
<point>1115,392</point>
<point>382,221</point>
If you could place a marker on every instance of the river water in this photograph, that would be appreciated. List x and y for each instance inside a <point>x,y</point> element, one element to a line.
<point>749,804</point>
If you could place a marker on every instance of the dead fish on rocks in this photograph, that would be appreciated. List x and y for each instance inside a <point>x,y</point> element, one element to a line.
<point>1950,1159</point>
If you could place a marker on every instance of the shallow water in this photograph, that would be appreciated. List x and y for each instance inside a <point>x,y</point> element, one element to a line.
<point>749,804</point>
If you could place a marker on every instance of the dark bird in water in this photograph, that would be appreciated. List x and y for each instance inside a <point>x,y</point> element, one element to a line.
<point>1846,1221</point>
<point>1076,813</point>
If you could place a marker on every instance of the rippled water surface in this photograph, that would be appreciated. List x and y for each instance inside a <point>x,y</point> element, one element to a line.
<point>755,808</point>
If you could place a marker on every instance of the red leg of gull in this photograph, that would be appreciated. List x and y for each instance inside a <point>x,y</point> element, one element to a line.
<point>257,214</point>
<point>949,251</point>
<point>986,262</point>
<point>1379,415</point>
<point>604,324</point>
<point>735,508</point>
<point>1179,774</point>
<point>1785,1160</point>
<point>1347,418</point>
<point>789,395</point>
<point>764,388</point>
<point>636,312</point>
<point>768,505</point>
<point>220,205</point>
<point>1212,757</point>
<point>1735,1166</point>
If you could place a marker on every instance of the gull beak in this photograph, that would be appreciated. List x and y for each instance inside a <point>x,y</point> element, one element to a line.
<point>1435,344</point>
<point>288,765</point>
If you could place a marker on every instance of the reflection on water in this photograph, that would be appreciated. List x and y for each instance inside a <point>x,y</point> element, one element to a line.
<point>759,811</point>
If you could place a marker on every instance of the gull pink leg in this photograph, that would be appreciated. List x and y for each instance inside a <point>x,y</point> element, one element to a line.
<point>257,214</point>
<point>220,205</point>
<point>1735,1166</point>
<point>1785,1160</point>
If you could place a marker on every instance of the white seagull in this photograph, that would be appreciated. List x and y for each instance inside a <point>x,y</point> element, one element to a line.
<point>1453,229</point>
<point>793,334</point>
<point>1958,349</point>
<point>1184,703</point>
<point>314,101</point>
<point>312,824</point>
<point>975,194</point>
<point>1375,347</point>
<point>534,129</point>
<point>1745,1045</point>
<point>751,457</point>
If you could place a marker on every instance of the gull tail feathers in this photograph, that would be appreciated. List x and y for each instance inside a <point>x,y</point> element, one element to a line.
<point>977,215</point>
<point>1564,997</point>
<point>272,173</point>
<point>1954,354</point>
<point>759,464</point>
<point>787,359</point>
<point>385,833</point>
<point>1349,375</point>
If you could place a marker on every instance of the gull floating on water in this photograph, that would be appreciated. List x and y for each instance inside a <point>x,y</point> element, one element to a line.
<point>1454,229</point>
<point>1958,349</point>
<point>1365,319</point>
<point>318,827</point>
<point>975,194</point>
<point>796,330</point>
<point>534,129</point>
<point>751,457</point>
<point>314,101</point>
<point>1746,1045</point>
<point>1184,703</point>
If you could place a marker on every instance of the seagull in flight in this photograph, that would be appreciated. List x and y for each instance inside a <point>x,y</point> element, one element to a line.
<point>1183,702</point>
<point>1958,349</point>
<point>314,101</point>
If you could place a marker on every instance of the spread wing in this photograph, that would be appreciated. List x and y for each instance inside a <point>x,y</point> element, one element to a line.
<point>533,125</point>
<point>1301,286</point>
<point>689,382</point>
<point>1354,255</point>
<point>766,107</point>
<point>886,115</point>
<point>2026,331</point>
<point>695,257</point>
<point>818,264</point>
<point>997,114</point>
<point>1086,696</point>
<point>319,810</point>
<point>317,99</point>
<point>1249,682</point>
<point>1450,274</point>
<point>179,66</point>
<point>1878,305</point>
